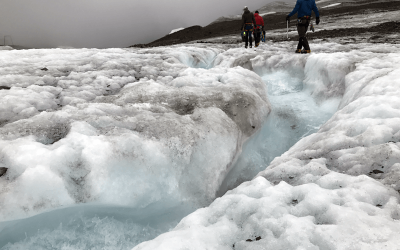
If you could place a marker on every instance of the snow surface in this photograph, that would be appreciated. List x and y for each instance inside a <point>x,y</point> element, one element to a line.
<point>268,13</point>
<point>331,5</point>
<point>176,30</point>
<point>105,149</point>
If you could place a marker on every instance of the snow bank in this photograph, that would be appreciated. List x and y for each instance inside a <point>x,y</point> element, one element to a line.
<point>335,189</point>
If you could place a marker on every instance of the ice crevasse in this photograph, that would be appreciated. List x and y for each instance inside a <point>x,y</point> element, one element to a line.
<point>335,189</point>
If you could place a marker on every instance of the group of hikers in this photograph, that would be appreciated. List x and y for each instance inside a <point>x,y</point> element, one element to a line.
<point>254,23</point>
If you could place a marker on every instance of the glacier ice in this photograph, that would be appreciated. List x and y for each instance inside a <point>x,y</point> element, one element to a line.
<point>90,227</point>
<point>336,188</point>
<point>320,215</point>
<point>99,138</point>
<point>124,127</point>
<point>117,128</point>
<point>295,114</point>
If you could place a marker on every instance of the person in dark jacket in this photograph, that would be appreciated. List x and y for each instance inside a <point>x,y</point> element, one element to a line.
<point>304,9</point>
<point>248,23</point>
<point>259,27</point>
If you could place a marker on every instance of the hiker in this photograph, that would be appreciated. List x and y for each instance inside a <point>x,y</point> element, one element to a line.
<point>259,27</point>
<point>248,23</point>
<point>303,9</point>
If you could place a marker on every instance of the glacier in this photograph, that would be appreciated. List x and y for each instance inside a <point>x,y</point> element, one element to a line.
<point>337,188</point>
<point>111,148</point>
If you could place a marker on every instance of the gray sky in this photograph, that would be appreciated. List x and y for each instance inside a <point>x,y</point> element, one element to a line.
<point>106,23</point>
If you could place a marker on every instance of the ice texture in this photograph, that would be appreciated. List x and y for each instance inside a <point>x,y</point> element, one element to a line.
<point>89,227</point>
<point>337,188</point>
<point>109,142</point>
<point>121,127</point>
<point>295,114</point>
<point>320,215</point>
<point>362,136</point>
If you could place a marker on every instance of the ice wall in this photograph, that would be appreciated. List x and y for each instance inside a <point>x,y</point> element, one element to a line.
<point>334,189</point>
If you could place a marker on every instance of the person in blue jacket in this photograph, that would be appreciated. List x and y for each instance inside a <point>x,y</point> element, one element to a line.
<point>303,9</point>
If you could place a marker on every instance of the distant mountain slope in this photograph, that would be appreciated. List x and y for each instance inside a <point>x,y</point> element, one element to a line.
<point>286,7</point>
<point>276,21</point>
<point>277,7</point>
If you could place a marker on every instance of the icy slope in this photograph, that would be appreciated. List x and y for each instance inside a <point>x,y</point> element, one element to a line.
<point>120,127</point>
<point>335,189</point>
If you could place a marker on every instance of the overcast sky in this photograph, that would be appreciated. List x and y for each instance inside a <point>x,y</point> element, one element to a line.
<point>106,23</point>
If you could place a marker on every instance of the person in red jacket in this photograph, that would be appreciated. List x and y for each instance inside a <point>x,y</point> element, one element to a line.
<point>259,27</point>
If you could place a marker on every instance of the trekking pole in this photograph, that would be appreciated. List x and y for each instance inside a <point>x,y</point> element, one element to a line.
<point>287,30</point>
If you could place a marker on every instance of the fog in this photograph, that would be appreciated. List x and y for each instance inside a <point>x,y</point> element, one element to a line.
<point>106,23</point>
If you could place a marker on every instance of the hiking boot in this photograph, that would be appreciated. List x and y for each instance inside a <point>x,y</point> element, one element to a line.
<point>298,51</point>
<point>245,47</point>
<point>305,51</point>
